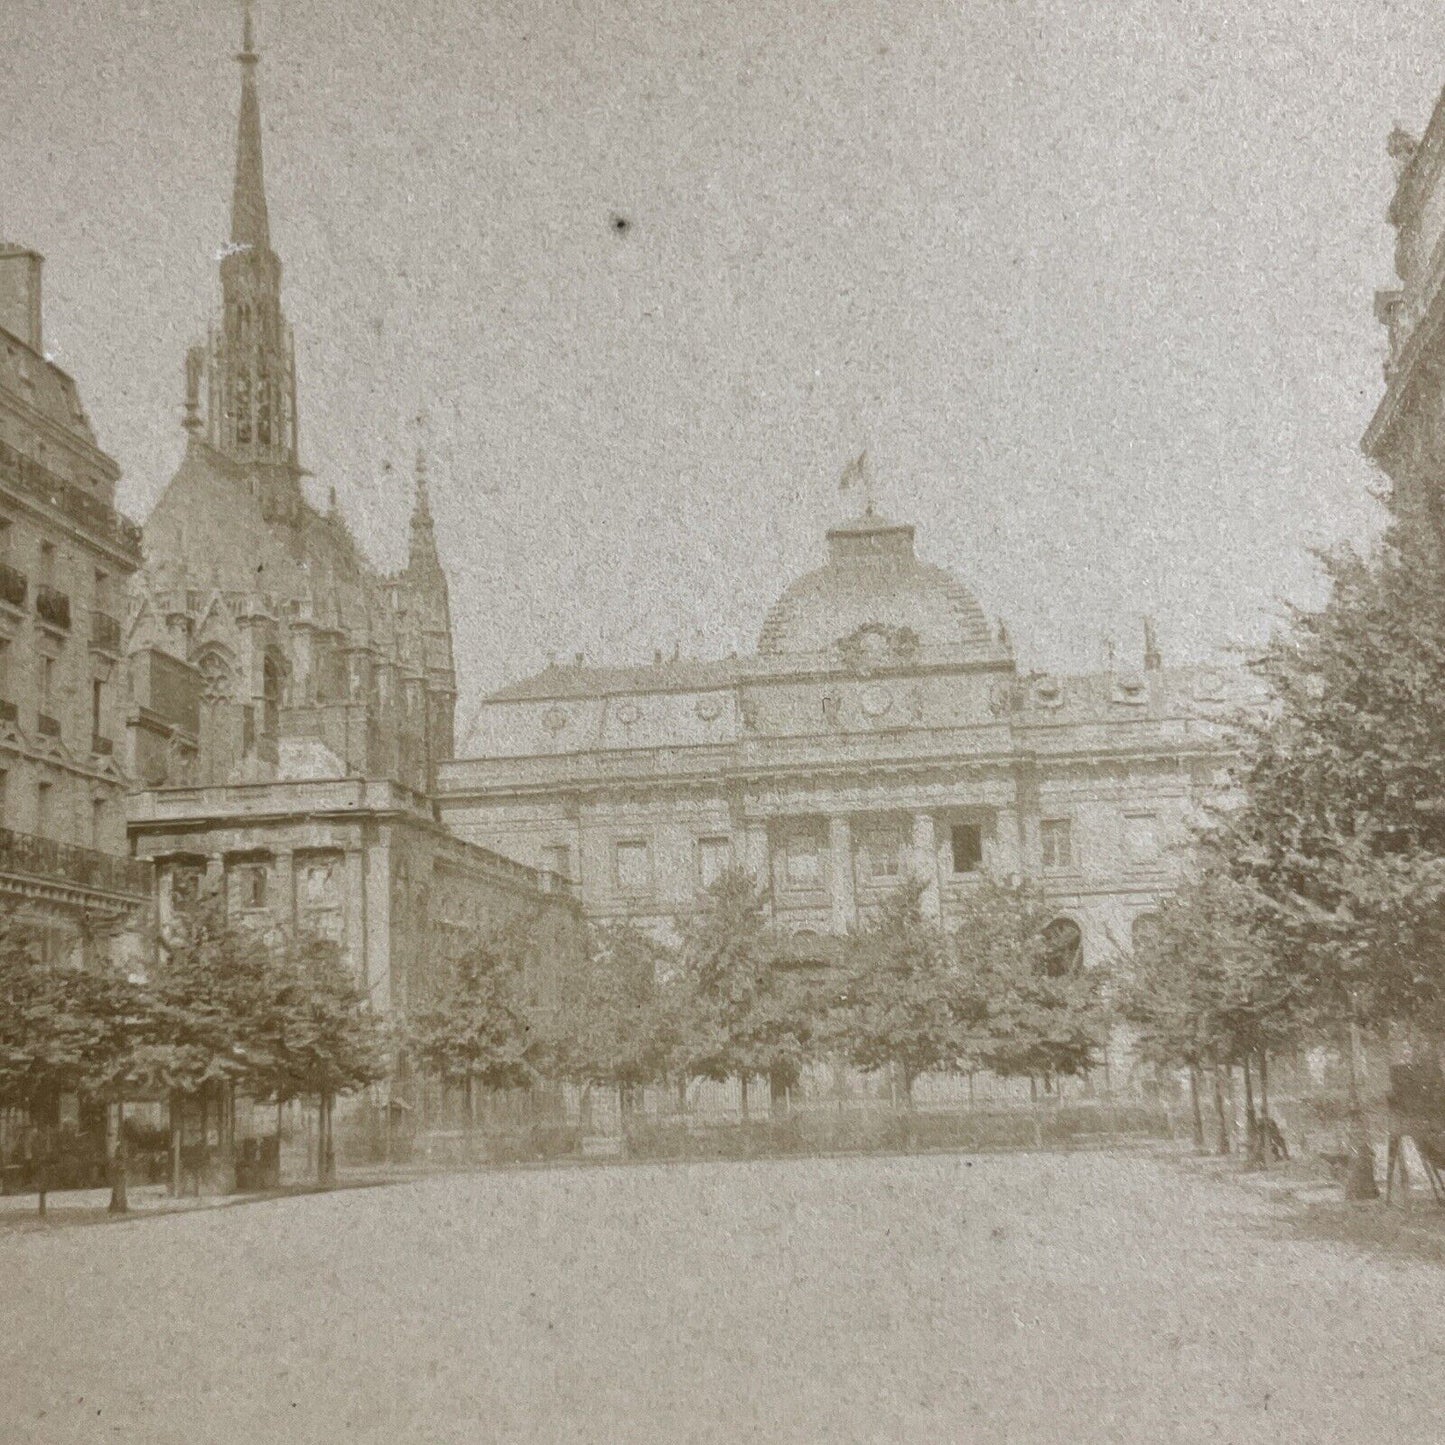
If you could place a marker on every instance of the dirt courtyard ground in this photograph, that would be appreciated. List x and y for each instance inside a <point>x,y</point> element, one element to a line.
<point>1017,1298</point>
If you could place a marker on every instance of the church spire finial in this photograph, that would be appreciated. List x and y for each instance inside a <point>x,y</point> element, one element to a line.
<point>250,226</point>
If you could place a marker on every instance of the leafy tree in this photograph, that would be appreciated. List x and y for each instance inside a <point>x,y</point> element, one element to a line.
<point>319,1037</point>
<point>904,1004</point>
<point>618,1024</point>
<point>1340,835</point>
<point>210,994</point>
<point>743,1014</point>
<point>1203,990</point>
<point>1036,1010</point>
<point>478,1029</point>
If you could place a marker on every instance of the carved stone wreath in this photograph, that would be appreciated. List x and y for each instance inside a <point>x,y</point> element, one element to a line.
<point>554,720</point>
<point>876,645</point>
<point>628,714</point>
<point>709,709</point>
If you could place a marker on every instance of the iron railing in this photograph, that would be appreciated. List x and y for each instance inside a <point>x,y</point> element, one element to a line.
<point>13,585</point>
<point>27,475</point>
<point>104,632</point>
<point>52,606</point>
<point>48,860</point>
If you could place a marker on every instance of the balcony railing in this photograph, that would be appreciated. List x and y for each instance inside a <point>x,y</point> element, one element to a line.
<point>27,475</point>
<point>49,727</point>
<point>49,861</point>
<point>13,585</point>
<point>104,632</point>
<point>52,606</point>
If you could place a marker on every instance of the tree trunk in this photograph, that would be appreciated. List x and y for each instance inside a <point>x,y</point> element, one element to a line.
<point>1360,1180</point>
<point>1253,1134</point>
<point>325,1143</point>
<point>280,1116</point>
<point>1033,1089</point>
<point>471,1087</point>
<point>743,1095</point>
<point>778,1093</point>
<point>119,1200</point>
<point>1223,1142</point>
<point>910,1121</point>
<point>174,1118</point>
<point>42,1167</point>
<point>1195,1112</point>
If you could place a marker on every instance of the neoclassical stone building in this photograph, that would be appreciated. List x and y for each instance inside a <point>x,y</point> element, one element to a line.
<point>883,726</point>
<point>66,554</point>
<point>292,703</point>
<point>1407,433</point>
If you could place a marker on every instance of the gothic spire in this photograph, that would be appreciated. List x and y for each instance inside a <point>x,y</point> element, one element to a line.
<point>423,531</point>
<point>249,224</point>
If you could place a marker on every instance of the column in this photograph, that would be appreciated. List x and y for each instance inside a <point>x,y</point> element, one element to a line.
<point>375,945</point>
<point>840,873</point>
<point>757,857</point>
<point>925,862</point>
<point>284,872</point>
<point>353,908</point>
<point>1006,856</point>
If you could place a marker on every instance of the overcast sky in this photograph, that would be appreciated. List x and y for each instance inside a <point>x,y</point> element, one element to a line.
<point>1091,281</point>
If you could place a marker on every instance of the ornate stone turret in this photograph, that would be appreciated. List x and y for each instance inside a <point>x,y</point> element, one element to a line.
<point>250,368</point>
<point>425,584</point>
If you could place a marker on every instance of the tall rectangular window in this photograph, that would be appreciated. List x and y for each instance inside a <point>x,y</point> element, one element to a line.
<point>47,684</point>
<point>634,867</point>
<point>45,809</point>
<point>97,707</point>
<point>47,564</point>
<point>1056,839</point>
<point>248,885</point>
<point>102,591</point>
<point>883,853</point>
<point>713,857</point>
<point>967,843</point>
<point>97,823</point>
<point>5,539</point>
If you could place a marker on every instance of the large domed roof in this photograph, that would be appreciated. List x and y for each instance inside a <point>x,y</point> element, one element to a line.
<point>872,578</point>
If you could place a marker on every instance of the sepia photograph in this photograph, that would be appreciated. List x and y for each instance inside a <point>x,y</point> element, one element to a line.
<point>722,722</point>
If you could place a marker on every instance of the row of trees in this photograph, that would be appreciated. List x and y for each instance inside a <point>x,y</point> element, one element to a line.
<point>905,997</point>
<point>1316,914</point>
<point>222,1010</point>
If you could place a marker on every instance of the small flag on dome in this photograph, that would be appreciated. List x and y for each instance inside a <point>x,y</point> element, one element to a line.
<point>854,480</point>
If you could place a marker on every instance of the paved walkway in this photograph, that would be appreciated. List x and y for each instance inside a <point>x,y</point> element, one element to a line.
<point>1009,1298</point>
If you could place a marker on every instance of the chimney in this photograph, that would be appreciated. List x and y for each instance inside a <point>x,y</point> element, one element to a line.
<point>1153,658</point>
<point>20,294</point>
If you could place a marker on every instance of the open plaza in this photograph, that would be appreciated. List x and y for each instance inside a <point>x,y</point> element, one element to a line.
<point>986,1298</point>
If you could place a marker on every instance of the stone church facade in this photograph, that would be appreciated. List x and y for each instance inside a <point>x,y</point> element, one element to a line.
<point>883,727</point>
<point>292,704</point>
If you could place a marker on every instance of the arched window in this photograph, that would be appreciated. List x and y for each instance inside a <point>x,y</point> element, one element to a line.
<point>1063,948</point>
<point>272,680</point>
<point>1144,931</point>
<point>215,672</point>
